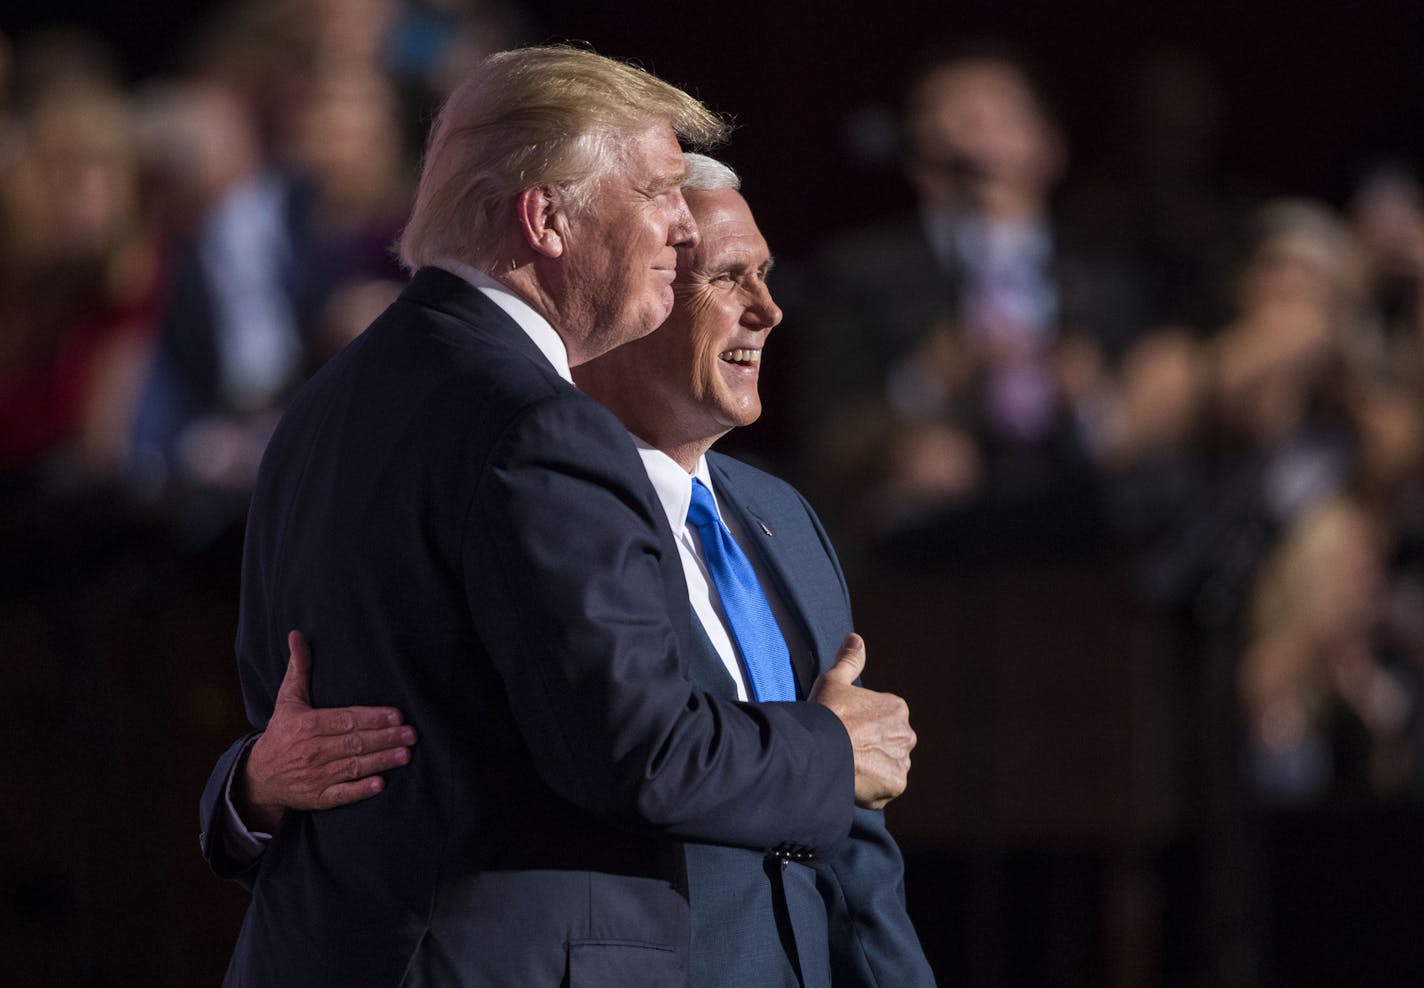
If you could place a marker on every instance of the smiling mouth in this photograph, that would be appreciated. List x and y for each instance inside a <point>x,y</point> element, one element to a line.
<point>742,358</point>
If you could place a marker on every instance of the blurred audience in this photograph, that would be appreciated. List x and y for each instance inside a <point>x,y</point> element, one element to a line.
<point>959,351</point>
<point>176,258</point>
<point>79,287</point>
<point>284,165</point>
<point>1237,411</point>
<point>1329,698</point>
<point>1273,435</point>
<point>231,342</point>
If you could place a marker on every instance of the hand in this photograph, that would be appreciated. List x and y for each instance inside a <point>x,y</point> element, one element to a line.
<point>315,759</point>
<point>878,724</point>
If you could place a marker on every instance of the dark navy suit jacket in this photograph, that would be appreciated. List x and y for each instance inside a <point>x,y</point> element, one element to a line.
<point>839,919</point>
<point>465,536</point>
<point>758,920</point>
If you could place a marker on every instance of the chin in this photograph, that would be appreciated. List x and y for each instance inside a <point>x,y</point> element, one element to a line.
<point>740,416</point>
<point>642,325</point>
<point>658,313</point>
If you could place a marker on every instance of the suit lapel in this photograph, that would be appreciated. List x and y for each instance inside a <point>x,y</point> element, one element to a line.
<point>705,665</point>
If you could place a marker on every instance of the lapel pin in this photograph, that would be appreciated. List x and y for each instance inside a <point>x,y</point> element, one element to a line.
<point>764,528</point>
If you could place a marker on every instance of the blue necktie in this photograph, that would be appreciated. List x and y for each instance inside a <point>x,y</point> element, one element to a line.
<point>753,625</point>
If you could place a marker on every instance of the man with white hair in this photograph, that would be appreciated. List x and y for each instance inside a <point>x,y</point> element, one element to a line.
<point>838,918</point>
<point>471,539</point>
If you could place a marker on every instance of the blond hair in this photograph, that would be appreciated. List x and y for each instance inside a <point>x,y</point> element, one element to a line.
<point>533,116</point>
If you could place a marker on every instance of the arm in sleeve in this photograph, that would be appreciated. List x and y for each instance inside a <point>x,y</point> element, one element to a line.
<point>229,848</point>
<point>564,563</point>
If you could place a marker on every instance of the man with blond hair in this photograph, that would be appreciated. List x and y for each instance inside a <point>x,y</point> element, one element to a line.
<point>465,536</point>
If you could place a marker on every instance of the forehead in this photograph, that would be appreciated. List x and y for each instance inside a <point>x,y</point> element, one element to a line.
<point>975,82</point>
<point>652,156</point>
<point>728,229</point>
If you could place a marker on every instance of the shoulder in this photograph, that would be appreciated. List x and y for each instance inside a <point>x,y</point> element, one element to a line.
<point>744,481</point>
<point>440,385</point>
<point>744,477</point>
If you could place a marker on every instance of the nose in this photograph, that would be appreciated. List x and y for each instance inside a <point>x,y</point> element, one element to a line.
<point>682,228</point>
<point>762,312</point>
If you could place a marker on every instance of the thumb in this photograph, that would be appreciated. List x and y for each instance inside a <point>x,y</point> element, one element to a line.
<point>850,660</point>
<point>296,684</point>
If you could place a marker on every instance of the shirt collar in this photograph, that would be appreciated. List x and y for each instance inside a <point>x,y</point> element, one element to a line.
<point>672,483</point>
<point>535,326</point>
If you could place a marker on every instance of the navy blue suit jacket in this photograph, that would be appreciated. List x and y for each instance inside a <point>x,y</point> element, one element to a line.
<point>840,919</point>
<point>465,536</point>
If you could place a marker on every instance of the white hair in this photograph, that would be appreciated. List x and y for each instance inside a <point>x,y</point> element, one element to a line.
<point>706,174</point>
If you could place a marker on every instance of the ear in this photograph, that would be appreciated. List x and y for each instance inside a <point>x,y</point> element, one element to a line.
<point>540,217</point>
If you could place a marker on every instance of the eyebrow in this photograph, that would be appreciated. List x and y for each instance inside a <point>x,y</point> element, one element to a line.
<point>670,180</point>
<point>739,267</point>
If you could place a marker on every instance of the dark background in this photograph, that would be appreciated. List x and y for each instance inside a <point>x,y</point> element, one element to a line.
<point>1312,87</point>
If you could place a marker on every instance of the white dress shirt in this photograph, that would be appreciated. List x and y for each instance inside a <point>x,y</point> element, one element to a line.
<point>673,485</point>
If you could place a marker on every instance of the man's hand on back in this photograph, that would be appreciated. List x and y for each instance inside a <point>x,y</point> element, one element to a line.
<point>316,759</point>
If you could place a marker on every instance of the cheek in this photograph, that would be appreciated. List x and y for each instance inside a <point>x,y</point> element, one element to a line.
<point>703,358</point>
<point>650,237</point>
<point>700,348</point>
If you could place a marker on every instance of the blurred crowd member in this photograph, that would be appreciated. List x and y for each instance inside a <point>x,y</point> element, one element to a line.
<point>1274,435</point>
<point>348,143</point>
<point>956,350</point>
<point>1386,214</point>
<point>1332,669</point>
<point>78,283</point>
<point>1328,696</point>
<point>230,341</point>
<point>298,178</point>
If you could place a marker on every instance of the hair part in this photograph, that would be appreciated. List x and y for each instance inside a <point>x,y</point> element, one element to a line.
<point>551,116</point>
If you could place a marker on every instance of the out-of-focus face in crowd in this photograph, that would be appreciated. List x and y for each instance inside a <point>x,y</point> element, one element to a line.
<point>74,191</point>
<point>978,134</point>
<point>199,140</point>
<point>348,138</point>
<point>1303,257</point>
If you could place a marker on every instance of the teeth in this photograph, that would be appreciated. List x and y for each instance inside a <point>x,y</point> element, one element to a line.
<point>741,356</point>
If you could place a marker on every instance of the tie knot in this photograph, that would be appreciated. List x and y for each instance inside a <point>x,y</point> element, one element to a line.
<point>703,510</point>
